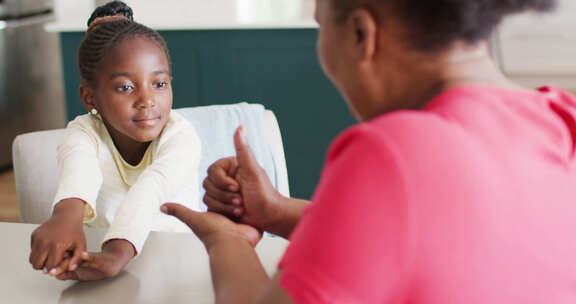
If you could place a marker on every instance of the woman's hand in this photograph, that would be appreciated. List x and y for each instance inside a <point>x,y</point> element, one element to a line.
<point>60,237</point>
<point>212,228</point>
<point>239,188</point>
<point>99,265</point>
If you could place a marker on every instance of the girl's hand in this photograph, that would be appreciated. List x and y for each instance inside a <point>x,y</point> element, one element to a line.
<point>211,227</point>
<point>60,237</point>
<point>99,265</point>
<point>94,266</point>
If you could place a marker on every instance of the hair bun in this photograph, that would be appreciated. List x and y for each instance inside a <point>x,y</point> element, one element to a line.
<point>113,8</point>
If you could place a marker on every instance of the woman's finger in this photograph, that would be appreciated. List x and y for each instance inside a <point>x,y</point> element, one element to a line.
<point>227,210</point>
<point>244,155</point>
<point>221,195</point>
<point>219,173</point>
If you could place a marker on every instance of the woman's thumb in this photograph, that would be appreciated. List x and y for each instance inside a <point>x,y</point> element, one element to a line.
<point>244,154</point>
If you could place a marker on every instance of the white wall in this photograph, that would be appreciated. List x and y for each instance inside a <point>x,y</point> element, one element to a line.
<point>187,14</point>
<point>73,13</point>
<point>541,49</point>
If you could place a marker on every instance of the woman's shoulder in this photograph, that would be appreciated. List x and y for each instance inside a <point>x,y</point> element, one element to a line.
<point>403,124</point>
<point>406,134</point>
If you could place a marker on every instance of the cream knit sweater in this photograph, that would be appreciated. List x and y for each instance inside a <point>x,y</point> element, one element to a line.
<point>125,198</point>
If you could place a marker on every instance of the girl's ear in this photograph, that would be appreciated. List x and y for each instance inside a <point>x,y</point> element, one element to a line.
<point>87,97</point>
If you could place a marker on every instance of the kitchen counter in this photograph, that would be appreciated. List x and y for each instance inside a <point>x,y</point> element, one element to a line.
<point>71,15</point>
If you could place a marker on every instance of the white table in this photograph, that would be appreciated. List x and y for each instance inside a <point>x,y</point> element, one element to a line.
<point>172,268</point>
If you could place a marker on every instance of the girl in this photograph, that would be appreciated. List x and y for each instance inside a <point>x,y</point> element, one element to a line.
<point>122,160</point>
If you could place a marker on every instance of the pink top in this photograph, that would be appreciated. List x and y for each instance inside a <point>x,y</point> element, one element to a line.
<point>470,200</point>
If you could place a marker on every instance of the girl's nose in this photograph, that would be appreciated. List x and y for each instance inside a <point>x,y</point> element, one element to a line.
<point>145,101</point>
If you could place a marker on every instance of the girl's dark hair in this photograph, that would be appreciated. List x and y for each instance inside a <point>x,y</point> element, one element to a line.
<point>434,24</point>
<point>103,35</point>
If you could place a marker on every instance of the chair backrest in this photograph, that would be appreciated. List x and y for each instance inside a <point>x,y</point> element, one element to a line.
<point>36,170</point>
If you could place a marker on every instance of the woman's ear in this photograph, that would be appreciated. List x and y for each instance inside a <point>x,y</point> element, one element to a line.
<point>87,97</point>
<point>365,32</point>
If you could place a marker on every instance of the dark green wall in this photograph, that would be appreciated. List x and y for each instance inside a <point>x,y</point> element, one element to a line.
<point>277,68</point>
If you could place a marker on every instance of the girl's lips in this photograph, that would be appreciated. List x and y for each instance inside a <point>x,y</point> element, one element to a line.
<point>146,122</point>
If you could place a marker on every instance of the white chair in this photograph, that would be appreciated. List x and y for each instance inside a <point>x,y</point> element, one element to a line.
<point>36,170</point>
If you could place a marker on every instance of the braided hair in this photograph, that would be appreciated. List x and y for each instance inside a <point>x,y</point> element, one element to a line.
<point>108,25</point>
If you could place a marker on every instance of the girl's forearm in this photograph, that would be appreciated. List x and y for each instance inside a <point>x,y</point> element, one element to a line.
<point>237,274</point>
<point>70,208</point>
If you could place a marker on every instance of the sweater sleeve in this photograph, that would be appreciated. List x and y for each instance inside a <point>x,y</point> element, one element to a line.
<point>80,175</point>
<point>174,166</point>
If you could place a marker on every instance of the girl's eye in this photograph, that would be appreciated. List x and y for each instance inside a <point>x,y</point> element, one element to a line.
<point>161,84</point>
<point>125,88</point>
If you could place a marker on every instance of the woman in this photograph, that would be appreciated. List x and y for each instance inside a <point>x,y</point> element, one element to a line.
<point>457,187</point>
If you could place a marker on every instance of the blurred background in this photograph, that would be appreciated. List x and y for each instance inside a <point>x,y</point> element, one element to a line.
<point>227,51</point>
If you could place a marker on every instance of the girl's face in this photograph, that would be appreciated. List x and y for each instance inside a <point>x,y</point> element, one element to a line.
<point>133,92</point>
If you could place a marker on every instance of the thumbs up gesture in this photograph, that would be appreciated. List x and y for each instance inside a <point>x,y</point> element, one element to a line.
<point>239,188</point>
